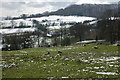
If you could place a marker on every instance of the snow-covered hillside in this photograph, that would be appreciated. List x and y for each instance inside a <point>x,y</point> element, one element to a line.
<point>49,20</point>
<point>66,19</point>
<point>7,23</point>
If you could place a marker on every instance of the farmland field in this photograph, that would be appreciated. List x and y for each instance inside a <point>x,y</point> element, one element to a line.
<point>74,61</point>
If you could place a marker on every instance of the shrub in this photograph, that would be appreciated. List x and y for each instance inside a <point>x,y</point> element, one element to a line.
<point>65,41</point>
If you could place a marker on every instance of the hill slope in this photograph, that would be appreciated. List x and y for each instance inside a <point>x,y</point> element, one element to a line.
<point>92,10</point>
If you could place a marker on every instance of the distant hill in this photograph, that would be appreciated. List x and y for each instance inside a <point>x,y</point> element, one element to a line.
<point>90,10</point>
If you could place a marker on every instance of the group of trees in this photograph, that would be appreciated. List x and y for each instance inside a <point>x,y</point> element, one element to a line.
<point>108,29</point>
<point>105,29</point>
<point>16,41</point>
<point>79,30</point>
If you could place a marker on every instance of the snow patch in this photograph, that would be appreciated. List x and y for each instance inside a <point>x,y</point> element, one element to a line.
<point>16,30</point>
<point>64,77</point>
<point>107,73</point>
<point>110,59</point>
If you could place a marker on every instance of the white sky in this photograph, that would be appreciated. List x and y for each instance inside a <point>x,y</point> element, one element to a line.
<point>18,7</point>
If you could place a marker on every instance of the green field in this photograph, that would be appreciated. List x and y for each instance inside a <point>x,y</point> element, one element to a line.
<point>75,61</point>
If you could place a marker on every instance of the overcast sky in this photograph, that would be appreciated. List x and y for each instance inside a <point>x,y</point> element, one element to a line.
<point>18,7</point>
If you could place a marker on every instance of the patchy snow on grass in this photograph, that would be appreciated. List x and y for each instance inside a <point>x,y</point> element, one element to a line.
<point>110,58</point>
<point>87,41</point>
<point>85,70</point>
<point>23,51</point>
<point>64,77</point>
<point>96,67</point>
<point>1,65</point>
<point>107,73</point>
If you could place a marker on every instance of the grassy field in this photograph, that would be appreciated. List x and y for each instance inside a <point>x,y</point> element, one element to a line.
<point>75,61</point>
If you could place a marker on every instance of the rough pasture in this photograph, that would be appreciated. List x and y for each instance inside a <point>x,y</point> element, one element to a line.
<point>75,61</point>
